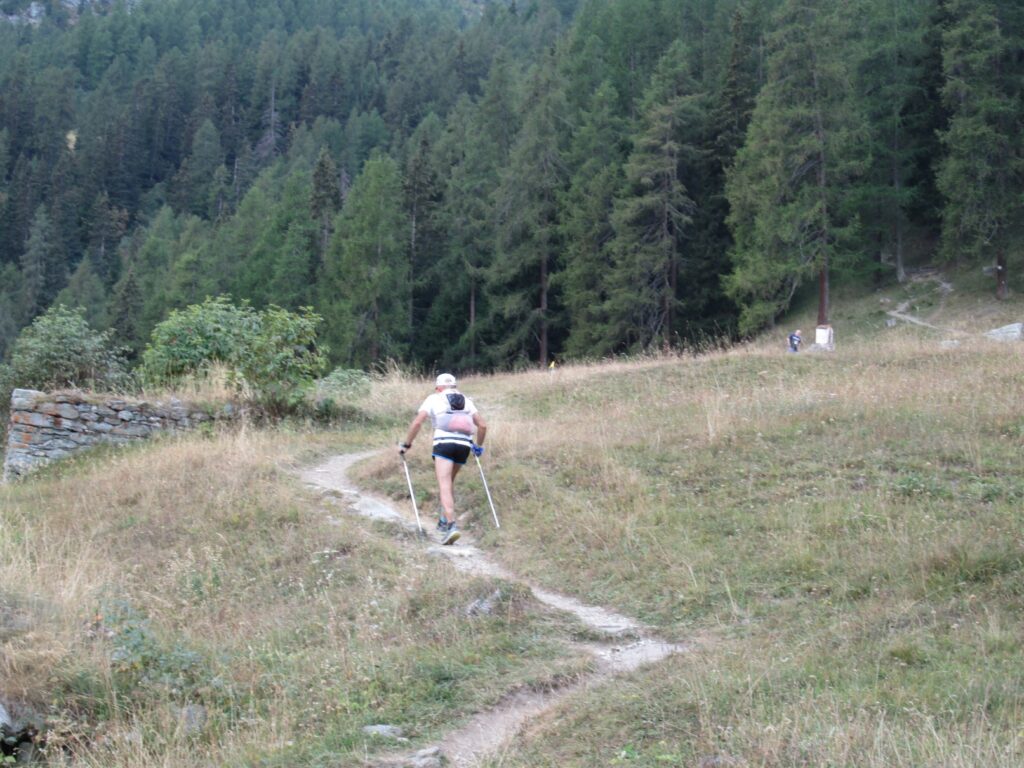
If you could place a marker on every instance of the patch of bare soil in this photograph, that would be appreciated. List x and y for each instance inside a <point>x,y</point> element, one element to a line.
<point>629,644</point>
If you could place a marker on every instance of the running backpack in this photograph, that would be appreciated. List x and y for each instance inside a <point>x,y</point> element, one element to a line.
<point>456,418</point>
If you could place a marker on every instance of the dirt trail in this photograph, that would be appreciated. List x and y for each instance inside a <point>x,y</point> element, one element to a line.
<point>945,288</point>
<point>629,644</point>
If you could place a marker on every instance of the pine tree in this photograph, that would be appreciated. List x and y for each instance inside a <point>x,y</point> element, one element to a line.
<point>654,209</point>
<point>805,146</point>
<point>597,154</point>
<point>43,267</point>
<point>424,195</point>
<point>324,199</point>
<point>10,307</point>
<point>889,82</point>
<point>107,225</point>
<point>195,183</point>
<point>982,176</point>
<point>5,162</point>
<point>735,103</point>
<point>366,290</point>
<point>85,291</point>
<point>476,148</point>
<point>519,279</point>
<point>124,313</point>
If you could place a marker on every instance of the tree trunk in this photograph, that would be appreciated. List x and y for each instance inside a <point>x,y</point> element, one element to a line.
<point>412,271</point>
<point>544,309</point>
<point>823,295</point>
<point>472,321</point>
<point>897,183</point>
<point>823,286</point>
<point>375,333</point>
<point>1002,289</point>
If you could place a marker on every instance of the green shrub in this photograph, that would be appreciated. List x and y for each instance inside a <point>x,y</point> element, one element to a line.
<point>190,340</point>
<point>344,384</point>
<point>60,350</point>
<point>282,360</point>
<point>272,354</point>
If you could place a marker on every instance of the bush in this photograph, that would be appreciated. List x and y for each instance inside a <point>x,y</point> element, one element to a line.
<point>193,339</point>
<point>272,354</point>
<point>344,384</point>
<point>60,350</point>
<point>282,361</point>
<point>336,396</point>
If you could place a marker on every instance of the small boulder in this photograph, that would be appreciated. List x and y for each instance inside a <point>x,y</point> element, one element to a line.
<point>1012,332</point>
<point>384,731</point>
<point>426,758</point>
<point>20,725</point>
<point>484,606</point>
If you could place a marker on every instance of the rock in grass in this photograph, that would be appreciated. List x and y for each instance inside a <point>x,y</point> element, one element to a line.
<point>716,761</point>
<point>426,758</point>
<point>484,606</point>
<point>19,725</point>
<point>384,731</point>
<point>1012,332</point>
<point>430,757</point>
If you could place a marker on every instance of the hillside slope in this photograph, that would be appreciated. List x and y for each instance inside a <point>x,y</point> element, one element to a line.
<point>837,536</point>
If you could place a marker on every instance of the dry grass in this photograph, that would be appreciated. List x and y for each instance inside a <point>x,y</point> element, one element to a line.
<point>850,522</point>
<point>198,572</point>
<point>844,529</point>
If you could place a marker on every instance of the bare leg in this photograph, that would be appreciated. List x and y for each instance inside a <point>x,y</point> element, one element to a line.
<point>446,471</point>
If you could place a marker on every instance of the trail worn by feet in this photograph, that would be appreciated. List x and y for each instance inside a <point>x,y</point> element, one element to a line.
<point>629,645</point>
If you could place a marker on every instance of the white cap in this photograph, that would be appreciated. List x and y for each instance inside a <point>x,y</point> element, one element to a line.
<point>445,380</point>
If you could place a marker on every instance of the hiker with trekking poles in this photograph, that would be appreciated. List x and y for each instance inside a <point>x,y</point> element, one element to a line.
<point>455,420</point>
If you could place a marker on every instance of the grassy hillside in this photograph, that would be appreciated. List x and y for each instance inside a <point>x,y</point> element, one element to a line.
<point>838,537</point>
<point>840,534</point>
<point>199,572</point>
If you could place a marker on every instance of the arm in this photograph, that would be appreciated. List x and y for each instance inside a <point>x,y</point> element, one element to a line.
<point>481,428</point>
<point>414,429</point>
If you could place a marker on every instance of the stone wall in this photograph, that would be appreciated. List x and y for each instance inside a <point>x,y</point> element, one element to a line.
<point>48,427</point>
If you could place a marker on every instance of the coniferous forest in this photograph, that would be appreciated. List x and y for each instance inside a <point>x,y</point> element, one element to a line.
<point>490,184</point>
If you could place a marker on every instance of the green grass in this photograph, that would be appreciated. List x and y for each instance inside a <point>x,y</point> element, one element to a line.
<point>199,571</point>
<point>838,538</point>
<point>844,533</point>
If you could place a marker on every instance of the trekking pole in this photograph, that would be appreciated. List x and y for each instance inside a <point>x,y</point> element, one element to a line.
<point>488,490</point>
<point>412,495</point>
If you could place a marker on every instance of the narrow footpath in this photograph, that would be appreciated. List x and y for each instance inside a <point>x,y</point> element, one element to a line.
<point>627,646</point>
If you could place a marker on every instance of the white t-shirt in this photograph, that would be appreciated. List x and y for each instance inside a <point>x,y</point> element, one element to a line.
<point>436,405</point>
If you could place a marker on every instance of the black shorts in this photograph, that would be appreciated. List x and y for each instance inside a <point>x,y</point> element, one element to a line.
<point>456,452</point>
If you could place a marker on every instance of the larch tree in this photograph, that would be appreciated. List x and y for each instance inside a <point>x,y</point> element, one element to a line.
<point>367,269</point>
<point>805,146</point>
<point>324,200</point>
<point>43,267</point>
<point>982,175</point>
<point>654,209</point>
<point>891,55</point>
<point>596,155</point>
<point>529,237</point>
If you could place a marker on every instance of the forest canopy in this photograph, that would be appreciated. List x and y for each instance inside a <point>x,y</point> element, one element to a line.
<point>488,184</point>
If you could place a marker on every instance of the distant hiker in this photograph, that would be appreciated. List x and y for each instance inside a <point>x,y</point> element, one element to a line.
<point>455,419</point>
<point>795,340</point>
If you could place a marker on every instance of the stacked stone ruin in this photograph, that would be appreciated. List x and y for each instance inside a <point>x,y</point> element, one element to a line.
<point>45,427</point>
